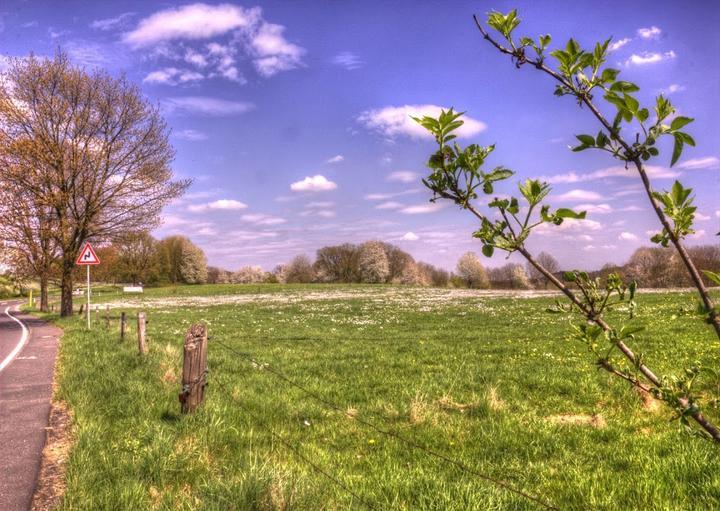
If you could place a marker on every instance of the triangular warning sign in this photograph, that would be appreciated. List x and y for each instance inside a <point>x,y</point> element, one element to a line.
<point>87,256</point>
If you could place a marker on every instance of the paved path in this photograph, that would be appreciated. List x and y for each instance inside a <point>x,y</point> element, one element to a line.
<point>26,375</point>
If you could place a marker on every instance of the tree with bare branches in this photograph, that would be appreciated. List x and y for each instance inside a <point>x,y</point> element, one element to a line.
<point>89,148</point>
<point>27,237</point>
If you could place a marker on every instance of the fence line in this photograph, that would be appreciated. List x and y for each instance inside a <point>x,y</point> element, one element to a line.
<point>294,448</point>
<point>329,404</point>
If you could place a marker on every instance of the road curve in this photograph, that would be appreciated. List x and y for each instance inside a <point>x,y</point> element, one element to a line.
<point>28,347</point>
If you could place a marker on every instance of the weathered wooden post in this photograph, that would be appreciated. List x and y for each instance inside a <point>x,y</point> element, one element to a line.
<point>107,317</point>
<point>194,375</point>
<point>82,307</point>
<point>122,326</point>
<point>142,346</point>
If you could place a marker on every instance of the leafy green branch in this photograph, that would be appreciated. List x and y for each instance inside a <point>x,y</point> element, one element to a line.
<point>582,74</point>
<point>456,174</point>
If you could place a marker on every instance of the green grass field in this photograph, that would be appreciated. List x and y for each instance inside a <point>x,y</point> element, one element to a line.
<point>493,383</point>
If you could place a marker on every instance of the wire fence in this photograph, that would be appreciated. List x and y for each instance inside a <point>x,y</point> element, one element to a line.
<point>373,426</point>
<point>294,448</point>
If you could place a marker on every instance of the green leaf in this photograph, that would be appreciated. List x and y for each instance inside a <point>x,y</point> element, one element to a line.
<point>586,139</point>
<point>632,103</point>
<point>715,277</point>
<point>679,122</point>
<point>677,150</point>
<point>545,41</point>
<point>569,213</point>
<point>488,250</point>
<point>499,174</point>
<point>628,330</point>
<point>623,86</point>
<point>609,75</point>
<point>687,139</point>
<point>569,276</point>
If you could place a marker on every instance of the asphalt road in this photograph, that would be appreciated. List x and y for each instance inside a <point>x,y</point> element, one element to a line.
<point>26,375</point>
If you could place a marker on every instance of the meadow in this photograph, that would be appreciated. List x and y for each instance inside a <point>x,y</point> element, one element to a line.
<point>491,382</point>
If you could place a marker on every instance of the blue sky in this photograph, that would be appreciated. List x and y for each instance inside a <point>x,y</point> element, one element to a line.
<point>291,117</point>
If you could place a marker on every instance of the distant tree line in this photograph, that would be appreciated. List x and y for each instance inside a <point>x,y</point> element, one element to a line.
<point>139,258</point>
<point>377,262</point>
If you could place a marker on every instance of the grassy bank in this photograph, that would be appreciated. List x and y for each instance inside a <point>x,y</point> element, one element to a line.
<point>490,382</point>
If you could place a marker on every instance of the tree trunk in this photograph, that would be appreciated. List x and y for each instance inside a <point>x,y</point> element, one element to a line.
<point>44,307</point>
<point>66,288</point>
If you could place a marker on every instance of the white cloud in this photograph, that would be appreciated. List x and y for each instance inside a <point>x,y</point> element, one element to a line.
<point>172,76</point>
<point>206,106</point>
<point>700,233</point>
<point>191,135</point>
<point>653,171</point>
<point>419,209</point>
<point>672,88</point>
<point>317,183</point>
<point>619,44</point>
<point>111,23</point>
<point>699,216</point>
<point>348,60</point>
<point>627,236</point>
<point>585,237</point>
<point>386,196</point>
<point>649,33</point>
<point>410,236</point>
<point>274,53</point>
<point>91,54</point>
<point>392,121</point>
<point>403,176</point>
<point>326,214</point>
<point>262,219</point>
<point>221,204</point>
<point>389,205</point>
<point>589,248</point>
<point>194,21</point>
<point>709,162</point>
<point>319,204</point>
<point>335,159</point>
<point>645,58</point>
<point>578,195</point>
<point>717,213</point>
<point>250,37</point>
<point>600,209</point>
<point>195,58</point>
<point>570,226</point>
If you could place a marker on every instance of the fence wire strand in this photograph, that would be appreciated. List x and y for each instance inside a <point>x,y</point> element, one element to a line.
<point>329,404</point>
<point>294,448</point>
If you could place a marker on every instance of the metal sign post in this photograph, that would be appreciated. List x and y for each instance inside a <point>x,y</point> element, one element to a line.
<point>87,258</point>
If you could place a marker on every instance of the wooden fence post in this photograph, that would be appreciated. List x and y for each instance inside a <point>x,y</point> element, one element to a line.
<point>82,307</point>
<point>107,317</point>
<point>142,346</point>
<point>194,375</point>
<point>122,326</point>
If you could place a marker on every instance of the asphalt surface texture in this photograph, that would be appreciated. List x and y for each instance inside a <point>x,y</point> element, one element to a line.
<point>26,376</point>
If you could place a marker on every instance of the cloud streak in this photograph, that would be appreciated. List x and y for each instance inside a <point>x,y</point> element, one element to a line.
<point>394,121</point>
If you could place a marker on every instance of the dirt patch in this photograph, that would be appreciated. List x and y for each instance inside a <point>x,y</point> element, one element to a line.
<point>649,403</point>
<point>51,480</point>
<point>595,421</point>
<point>494,400</point>
<point>447,403</point>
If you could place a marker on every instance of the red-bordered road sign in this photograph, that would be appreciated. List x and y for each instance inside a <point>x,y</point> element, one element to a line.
<point>87,256</point>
